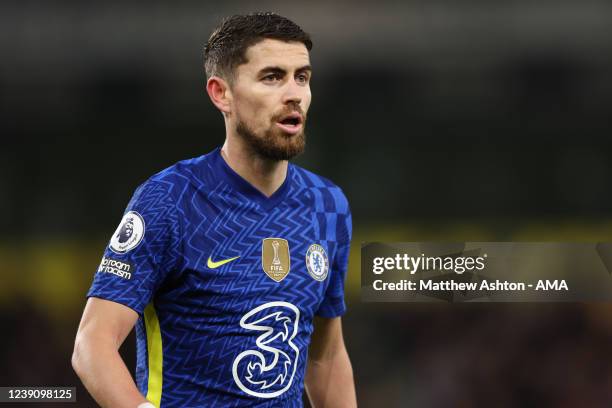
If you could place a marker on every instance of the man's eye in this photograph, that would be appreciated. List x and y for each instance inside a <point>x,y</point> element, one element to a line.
<point>302,78</point>
<point>271,77</point>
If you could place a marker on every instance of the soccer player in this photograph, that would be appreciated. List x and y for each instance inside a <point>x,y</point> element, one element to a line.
<point>230,265</point>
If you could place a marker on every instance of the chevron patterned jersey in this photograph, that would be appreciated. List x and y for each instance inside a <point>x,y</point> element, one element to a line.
<point>226,281</point>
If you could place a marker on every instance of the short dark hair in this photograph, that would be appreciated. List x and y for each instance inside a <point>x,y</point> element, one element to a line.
<point>226,48</point>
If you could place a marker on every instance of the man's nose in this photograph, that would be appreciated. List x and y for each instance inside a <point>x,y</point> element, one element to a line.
<point>293,92</point>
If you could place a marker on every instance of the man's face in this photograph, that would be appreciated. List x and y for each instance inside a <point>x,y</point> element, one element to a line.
<point>271,96</point>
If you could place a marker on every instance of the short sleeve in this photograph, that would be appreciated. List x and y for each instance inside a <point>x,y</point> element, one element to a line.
<point>333,304</point>
<point>143,250</point>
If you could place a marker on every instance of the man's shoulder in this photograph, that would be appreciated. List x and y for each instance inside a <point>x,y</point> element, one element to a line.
<point>184,174</point>
<point>324,188</point>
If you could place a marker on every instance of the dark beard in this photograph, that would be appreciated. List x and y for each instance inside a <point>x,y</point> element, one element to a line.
<point>272,145</point>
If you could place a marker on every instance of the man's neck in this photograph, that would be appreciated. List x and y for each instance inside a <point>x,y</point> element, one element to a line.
<point>264,174</point>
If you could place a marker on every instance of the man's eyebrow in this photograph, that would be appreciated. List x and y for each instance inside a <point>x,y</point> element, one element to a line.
<point>279,70</point>
<point>272,70</point>
<point>304,68</point>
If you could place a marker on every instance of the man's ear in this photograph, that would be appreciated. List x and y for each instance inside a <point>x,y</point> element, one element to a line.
<point>220,93</point>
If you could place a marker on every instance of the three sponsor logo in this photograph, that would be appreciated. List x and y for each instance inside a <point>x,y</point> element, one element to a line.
<point>266,370</point>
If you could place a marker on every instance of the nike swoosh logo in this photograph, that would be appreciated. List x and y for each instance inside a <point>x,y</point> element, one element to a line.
<point>213,265</point>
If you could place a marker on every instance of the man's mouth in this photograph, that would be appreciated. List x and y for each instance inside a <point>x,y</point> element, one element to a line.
<point>291,123</point>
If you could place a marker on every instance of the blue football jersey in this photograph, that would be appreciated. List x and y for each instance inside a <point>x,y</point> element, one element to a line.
<point>226,281</point>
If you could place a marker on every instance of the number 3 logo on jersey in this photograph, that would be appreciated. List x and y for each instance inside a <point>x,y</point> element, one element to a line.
<point>267,371</point>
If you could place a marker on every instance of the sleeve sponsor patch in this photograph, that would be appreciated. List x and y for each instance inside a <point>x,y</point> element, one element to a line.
<point>119,268</point>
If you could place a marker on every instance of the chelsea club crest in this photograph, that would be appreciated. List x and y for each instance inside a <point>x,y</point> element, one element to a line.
<point>317,262</point>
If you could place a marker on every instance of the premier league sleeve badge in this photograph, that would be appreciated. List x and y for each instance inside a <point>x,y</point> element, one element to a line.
<point>129,234</point>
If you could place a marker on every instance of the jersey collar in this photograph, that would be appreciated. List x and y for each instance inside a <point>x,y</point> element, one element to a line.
<point>244,187</point>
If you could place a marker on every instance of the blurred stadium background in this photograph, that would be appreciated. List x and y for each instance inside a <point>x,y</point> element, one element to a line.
<point>474,120</point>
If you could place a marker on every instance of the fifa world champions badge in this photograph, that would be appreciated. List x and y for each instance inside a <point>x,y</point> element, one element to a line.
<point>317,262</point>
<point>129,233</point>
<point>275,259</point>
